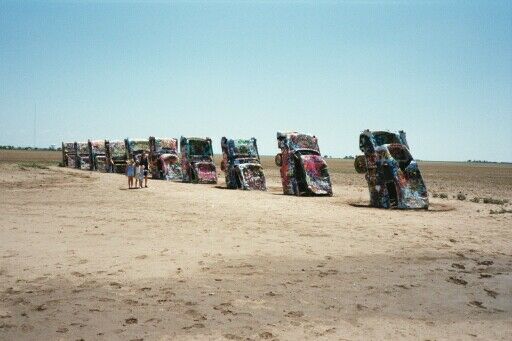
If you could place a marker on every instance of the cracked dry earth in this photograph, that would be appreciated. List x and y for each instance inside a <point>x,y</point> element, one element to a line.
<point>81,257</point>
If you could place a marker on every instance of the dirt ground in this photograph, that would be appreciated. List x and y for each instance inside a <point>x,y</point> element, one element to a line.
<point>82,257</point>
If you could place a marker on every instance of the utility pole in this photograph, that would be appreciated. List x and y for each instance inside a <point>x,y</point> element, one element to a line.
<point>35,122</point>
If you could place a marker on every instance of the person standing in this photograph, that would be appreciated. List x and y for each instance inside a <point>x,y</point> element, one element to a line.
<point>145,164</point>
<point>141,175</point>
<point>110,167</point>
<point>138,174</point>
<point>130,173</point>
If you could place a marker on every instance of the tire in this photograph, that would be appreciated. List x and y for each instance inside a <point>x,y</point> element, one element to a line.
<point>278,160</point>
<point>360,164</point>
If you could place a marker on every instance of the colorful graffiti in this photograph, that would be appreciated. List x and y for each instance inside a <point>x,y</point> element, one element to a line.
<point>84,156</point>
<point>317,176</point>
<point>241,164</point>
<point>393,176</point>
<point>119,155</point>
<point>100,155</point>
<point>164,159</point>
<point>97,147</point>
<point>69,154</point>
<point>171,168</point>
<point>303,170</point>
<point>394,179</point>
<point>197,160</point>
<point>165,145</point>
<point>303,142</point>
<point>136,147</point>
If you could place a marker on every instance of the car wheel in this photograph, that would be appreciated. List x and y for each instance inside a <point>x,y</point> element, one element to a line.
<point>278,160</point>
<point>360,164</point>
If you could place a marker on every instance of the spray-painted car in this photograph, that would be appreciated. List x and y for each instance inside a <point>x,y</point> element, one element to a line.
<point>100,155</point>
<point>69,154</point>
<point>241,164</point>
<point>394,179</point>
<point>136,147</point>
<point>303,170</point>
<point>164,159</point>
<point>197,160</point>
<point>84,156</point>
<point>119,155</point>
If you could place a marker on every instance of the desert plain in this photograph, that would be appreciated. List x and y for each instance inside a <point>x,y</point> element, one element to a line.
<point>84,258</point>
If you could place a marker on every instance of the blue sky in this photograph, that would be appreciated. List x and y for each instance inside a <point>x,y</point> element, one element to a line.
<point>441,71</point>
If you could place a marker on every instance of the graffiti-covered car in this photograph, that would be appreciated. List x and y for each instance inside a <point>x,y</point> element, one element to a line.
<point>241,164</point>
<point>100,155</point>
<point>118,154</point>
<point>394,179</point>
<point>69,154</point>
<point>136,147</point>
<point>84,156</point>
<point>303,169</point>
<point>164,159</point>
<point>197,160</point>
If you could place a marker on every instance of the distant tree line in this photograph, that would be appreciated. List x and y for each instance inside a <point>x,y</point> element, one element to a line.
<point>484,161</point>
<point>50,148</point>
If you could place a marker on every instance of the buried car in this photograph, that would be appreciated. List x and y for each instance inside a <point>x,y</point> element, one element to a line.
<point>118,154</point>
<point>303,170</point>
<point>69,154</point>
<point>394,179</point>
<point>136,147</point>
<point>164,158</point>
<point>83,156</point>
<point>100,156</point>
<point>241,164</point>
<point>197,160</point>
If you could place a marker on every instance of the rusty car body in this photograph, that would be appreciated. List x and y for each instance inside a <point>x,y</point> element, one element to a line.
<point>100,155</point>
<point>69,154</point>
<point>136,147</point>
<point>241,164</point>
<point>83,156</point>
<point>394,179</point>
<point>118,154</point>
<point>303,169</point>
<point>164,159</point>
<point>197,164</point>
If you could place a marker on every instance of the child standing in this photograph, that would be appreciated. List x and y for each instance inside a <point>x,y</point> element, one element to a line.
<point>142,174</point>
<point>130,173</point>
<point>137,173</point>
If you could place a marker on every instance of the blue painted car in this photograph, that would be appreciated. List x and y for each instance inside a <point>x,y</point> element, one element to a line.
<point>393,176</point>
<point>241,164</point>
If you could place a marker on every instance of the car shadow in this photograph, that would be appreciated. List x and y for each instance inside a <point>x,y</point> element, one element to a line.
<point>433,207</point>
<point>222,187</point>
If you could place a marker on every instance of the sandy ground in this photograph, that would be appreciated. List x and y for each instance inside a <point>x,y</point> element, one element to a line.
<point>82,257</point>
